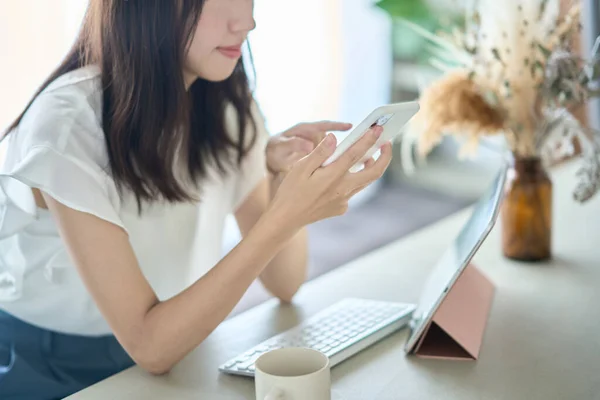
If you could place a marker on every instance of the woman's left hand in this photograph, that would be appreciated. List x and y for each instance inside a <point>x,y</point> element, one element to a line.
<point>285,149</point>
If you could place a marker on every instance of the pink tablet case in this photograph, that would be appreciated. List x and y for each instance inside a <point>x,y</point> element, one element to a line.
<point>457,327</point>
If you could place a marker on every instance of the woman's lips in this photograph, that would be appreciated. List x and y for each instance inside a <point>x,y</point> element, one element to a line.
<point>231,52</point>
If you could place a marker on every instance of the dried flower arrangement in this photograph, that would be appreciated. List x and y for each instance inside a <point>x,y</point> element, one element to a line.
<point>512,71</point>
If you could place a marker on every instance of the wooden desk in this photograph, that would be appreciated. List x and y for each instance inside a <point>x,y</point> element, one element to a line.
<point>542,340</point>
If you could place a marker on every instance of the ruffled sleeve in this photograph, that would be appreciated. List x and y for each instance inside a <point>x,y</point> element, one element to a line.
<point>58,148</point>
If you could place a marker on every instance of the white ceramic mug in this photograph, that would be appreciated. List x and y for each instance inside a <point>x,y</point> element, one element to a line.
<point>293,374</point>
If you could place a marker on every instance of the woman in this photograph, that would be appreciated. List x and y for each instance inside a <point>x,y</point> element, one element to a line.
<point>117,181</point>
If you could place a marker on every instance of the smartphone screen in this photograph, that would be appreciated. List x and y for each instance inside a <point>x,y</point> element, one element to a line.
<point>381,121</point>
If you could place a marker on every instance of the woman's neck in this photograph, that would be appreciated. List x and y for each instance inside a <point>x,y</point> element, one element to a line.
<point>188,79</point>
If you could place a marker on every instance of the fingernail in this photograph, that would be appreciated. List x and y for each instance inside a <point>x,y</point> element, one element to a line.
<point>377,132</point>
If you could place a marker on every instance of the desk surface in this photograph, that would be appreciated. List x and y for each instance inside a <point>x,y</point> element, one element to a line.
<point>542,339</point>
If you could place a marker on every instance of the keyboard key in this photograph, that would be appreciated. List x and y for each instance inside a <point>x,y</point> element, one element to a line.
<point>245,365</point>
<point>319,346</point>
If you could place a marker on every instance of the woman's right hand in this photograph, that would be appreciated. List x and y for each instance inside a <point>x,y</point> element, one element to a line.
<point>310,192</point>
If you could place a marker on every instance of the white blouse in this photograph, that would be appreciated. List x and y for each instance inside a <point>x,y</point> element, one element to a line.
<point>59,148</point>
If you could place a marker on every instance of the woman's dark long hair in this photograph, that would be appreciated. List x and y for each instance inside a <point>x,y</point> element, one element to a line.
<point>149,119</point>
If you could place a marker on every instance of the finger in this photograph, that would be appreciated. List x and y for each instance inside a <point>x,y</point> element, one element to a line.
<point>316,136</point>
<point>357,190</point>
<point>293,131</point>
<point>285,165</point>
<point>358,150</point>
<point>326,126</point>
<point>341,209</point>
<point>369,162</point>
<point>320,154</point>
<point>308,132</point>
<point>374,170</point>
<point>298,144</point>
<point>294,158</point>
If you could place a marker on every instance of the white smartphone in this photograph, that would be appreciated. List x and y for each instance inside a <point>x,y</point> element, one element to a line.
<point>392,117</point>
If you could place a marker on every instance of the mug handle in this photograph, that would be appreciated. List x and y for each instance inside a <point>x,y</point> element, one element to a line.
<point>275,394</point>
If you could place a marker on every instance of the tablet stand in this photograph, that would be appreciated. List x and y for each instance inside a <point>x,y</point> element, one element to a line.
<point>457,327</point>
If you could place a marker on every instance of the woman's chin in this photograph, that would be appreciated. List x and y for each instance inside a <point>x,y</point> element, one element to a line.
<point>217,74</point>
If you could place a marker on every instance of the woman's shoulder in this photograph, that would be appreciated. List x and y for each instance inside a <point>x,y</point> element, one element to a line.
<point>76,92</point>
<point>84,81</point>
<point>67,113</point>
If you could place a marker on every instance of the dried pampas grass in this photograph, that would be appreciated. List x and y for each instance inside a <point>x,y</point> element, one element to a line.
<point>454,105</point>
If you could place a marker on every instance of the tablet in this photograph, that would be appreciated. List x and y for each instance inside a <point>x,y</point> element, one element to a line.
<point>392,117</point>
<point>457,257</point>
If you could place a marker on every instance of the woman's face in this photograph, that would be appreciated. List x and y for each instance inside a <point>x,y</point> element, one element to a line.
<point>216,44</point>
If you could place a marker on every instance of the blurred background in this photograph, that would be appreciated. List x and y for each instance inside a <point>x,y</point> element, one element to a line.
<point>314,60</point>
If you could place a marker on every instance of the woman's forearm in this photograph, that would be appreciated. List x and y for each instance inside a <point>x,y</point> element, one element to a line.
<point>287,271</point>
<point>175,327</point>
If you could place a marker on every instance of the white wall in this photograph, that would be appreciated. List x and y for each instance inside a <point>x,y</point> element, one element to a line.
<point>319,59</point>
<point>297,58</point>
<point>34,36</point>
<point>366,59</point>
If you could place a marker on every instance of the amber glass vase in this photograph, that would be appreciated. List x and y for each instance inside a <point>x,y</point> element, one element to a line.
<point>527,212</point>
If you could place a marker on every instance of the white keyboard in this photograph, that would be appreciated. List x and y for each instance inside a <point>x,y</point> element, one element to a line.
<point>339,331</point>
